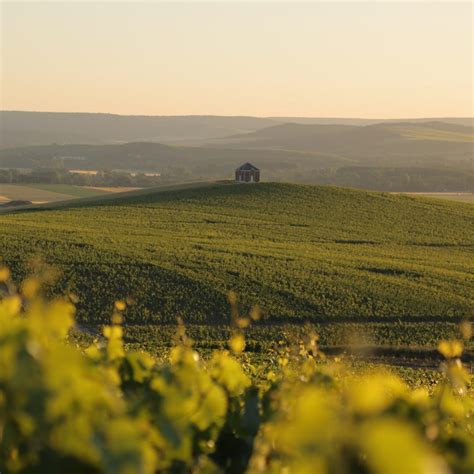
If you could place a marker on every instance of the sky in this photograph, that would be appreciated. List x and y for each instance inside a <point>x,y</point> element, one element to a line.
<point>317,59</point>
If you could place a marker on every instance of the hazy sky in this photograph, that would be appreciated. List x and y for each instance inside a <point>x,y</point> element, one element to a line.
<point>371,59</point>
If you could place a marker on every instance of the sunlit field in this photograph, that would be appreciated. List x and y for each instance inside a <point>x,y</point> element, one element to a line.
<point>41,193</point>
<point>460,197</point>
<point>375,270</point>
<point>102,407</point>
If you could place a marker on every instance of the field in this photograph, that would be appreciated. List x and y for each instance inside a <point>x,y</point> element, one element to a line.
<point>461,197</point>
<point>368,268</point>
<point>428,133</point>
<point>39,193</point>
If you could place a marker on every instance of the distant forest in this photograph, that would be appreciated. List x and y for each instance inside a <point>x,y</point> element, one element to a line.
<point>376,178</point>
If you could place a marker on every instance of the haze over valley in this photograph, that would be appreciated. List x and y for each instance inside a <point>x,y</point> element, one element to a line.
<point>429,155</point>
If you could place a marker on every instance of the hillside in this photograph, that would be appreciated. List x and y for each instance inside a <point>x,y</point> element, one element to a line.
<point>301,252</point>
<point>366,157</point>
<point>392,144</point>
<point>20,128</point>
<point>44,128</point>
<point>411,156</point>
<point>41,193</point>
<point>195,162</point>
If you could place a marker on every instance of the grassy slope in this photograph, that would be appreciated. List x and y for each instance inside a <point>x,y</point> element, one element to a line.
<point>438,131</point>
<point>388,144</point>
<point>459,197</point>
<point>69,189</point>
<point>31,193</point>
<point>301,252</point>
<point>46,192</point>
<point>427,133</point>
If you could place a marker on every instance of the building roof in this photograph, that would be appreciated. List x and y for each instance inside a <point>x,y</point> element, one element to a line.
<point>247,167</point>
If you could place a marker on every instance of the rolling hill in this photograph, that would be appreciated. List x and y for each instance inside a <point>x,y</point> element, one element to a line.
<point>40,193</point>
<point>191,162</point>
<point>303,253</point>
<point>414,157</point>
<point>386,144</point>
<point>392,144</point>
<point>43,128</point>
<point>19,128</point>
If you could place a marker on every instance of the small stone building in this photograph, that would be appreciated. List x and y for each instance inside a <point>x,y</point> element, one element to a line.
<point>247,173</point>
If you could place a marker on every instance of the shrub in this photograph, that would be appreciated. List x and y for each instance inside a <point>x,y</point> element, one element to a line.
<point>105,410</point>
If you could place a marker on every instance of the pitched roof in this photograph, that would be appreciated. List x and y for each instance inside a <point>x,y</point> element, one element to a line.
<point>247,167</point>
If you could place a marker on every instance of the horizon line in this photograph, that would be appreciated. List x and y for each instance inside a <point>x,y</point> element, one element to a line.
<point>423,117</point>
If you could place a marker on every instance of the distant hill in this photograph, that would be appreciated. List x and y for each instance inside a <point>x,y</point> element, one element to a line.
<point>393,144</point>
<point>282,133</point>
<point>300,252</point>
<point>192,162</point>
<point>415,156</point>
<point>378,158</point>
<point>44,128</point>
<point>466,121</point>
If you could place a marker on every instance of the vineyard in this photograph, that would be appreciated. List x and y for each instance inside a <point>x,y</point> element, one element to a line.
<point>98,408</point>
<point>372,269</point>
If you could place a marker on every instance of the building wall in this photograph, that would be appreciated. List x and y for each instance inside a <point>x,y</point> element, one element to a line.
<point>247,176</point>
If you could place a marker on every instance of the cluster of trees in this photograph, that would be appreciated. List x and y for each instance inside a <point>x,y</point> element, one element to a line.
<point>379,178</point>
<point>400,179</point>
<point>99,178</point>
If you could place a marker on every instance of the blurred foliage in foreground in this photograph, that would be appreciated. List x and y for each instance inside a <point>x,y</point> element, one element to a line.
<point>102,410</point>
